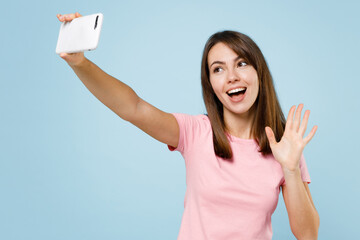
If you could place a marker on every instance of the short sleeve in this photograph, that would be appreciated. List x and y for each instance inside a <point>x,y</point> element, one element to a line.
<point>189,127</point>
<point>304,171</point>
<point>181,120</point>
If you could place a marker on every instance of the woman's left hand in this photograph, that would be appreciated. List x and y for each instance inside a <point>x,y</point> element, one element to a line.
<point>288,151</point>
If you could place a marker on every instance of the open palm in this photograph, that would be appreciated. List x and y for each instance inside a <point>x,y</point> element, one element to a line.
<point>288,151</point>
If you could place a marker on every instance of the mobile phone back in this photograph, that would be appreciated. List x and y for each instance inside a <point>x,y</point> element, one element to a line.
<point>79,35</point>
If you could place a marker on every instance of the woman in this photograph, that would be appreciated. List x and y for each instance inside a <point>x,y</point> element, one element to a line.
<point>238,156</point>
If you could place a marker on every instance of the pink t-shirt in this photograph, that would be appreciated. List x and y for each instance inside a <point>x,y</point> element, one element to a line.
<point>227,200</point>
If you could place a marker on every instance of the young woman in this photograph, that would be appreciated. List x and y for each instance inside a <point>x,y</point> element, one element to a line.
<point>238,156</point>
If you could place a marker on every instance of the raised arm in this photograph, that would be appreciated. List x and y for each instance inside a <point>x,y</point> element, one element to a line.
<point>121,99</point>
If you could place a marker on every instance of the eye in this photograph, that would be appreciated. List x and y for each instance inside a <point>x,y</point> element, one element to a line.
<point>242,63</point>
<point>217,69</point>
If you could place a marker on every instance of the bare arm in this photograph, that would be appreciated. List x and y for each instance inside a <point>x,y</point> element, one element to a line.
<point>114,94</point>
<point>303,217</point>
<point>121,99</point>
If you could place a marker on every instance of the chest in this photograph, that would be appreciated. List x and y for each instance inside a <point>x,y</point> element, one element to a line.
<point>250,181</point>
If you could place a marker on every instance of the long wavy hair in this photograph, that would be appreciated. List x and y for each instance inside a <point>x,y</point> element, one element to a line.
<point>267,110</point>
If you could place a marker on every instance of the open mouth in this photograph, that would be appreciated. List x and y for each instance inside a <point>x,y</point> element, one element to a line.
<point>236,92</point>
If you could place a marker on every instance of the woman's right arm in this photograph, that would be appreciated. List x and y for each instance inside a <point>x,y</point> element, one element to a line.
<point>121,99</point>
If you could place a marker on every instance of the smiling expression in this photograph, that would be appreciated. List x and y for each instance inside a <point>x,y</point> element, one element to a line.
<point>234,81</point>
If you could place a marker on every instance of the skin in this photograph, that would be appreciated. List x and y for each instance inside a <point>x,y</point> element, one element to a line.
<point>121,99</point>
<point>73,59</point>
<point>228,71</point>
<point>303,217</point>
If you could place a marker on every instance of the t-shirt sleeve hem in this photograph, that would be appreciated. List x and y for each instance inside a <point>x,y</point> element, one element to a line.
<point>171,148</point>
<point>305,176</point>
<point>306,180</point>
<point>180,147</point>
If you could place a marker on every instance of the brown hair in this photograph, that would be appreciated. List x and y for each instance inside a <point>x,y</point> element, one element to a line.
<point>266,107</point>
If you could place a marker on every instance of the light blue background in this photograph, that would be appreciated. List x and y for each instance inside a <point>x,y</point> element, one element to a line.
<point>72,169</point>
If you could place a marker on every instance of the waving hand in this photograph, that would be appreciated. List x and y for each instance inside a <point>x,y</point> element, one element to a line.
<point>288,151</point>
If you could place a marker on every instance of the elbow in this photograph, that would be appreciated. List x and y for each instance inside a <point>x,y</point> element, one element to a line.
<point>131,113</point>
<point>310,235</point>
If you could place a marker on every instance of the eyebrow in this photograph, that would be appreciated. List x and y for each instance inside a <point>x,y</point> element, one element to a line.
<point>219,62</point>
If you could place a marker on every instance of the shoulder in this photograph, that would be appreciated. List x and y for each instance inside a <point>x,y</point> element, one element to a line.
<point>193,125</point>
<point>194,130</point>
<point>202,121</point>
<point>191,119</point>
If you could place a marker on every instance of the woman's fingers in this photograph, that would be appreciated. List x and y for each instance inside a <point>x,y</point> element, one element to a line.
<point>310,135</point>
<point>289,120</point>
<point>298,117</point>
<point>295,124</point>
<point>72,59</point>
<point>304,123</point>
<point>68,17</point>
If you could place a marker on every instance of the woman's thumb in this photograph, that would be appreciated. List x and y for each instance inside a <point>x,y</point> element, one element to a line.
<point>270,135</point>
<point>63,56</point>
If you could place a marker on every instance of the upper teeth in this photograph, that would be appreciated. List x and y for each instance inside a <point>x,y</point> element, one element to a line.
<point>236,90</point>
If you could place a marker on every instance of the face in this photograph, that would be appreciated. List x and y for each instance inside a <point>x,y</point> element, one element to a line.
<point>234,81</point>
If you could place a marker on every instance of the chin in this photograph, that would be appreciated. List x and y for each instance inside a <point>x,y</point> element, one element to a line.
<point>239,110</point>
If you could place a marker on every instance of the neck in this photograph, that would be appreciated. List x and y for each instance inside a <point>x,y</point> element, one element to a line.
<point>239,125</point>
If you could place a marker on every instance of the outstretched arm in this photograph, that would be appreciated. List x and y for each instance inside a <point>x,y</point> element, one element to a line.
<point>120,98</point>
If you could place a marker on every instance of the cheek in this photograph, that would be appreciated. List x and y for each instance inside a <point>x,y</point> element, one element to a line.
<point>252,79</point>
<point>217,89</point>
<point>256,89</point>
<point>216,86</point>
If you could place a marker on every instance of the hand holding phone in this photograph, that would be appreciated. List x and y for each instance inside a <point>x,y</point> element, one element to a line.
<point>78,34</point>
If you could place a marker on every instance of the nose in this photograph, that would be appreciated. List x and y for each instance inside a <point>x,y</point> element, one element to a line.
<point>232,76</point>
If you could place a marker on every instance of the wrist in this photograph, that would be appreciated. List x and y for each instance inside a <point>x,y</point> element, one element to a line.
<point>80,64</point>
<point>291,170</point>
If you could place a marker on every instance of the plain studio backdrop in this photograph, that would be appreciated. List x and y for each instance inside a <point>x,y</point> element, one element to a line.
<point>72,169</point>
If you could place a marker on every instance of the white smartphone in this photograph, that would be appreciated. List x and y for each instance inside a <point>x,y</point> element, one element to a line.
<point>79,35</point>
